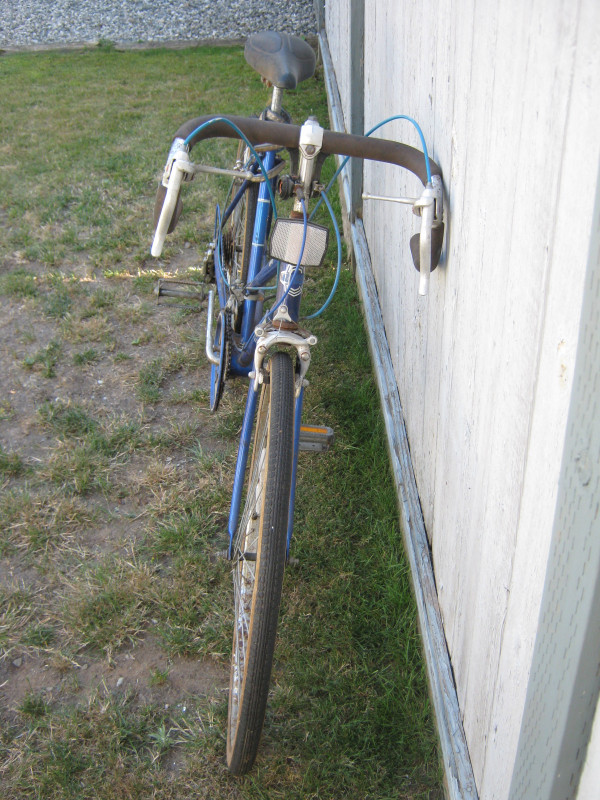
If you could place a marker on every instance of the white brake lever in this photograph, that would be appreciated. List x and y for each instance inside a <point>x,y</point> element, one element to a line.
<point>425,206</point>
<point>179,168</point>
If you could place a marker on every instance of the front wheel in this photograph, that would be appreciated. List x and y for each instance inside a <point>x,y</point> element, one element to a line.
<point>259,551</point>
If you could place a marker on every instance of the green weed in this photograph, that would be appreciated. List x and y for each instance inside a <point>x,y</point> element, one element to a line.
<point>34,705</point>
<point>103,298</point>
<point>150,380</point>
<point>58,303</point>
<point>85,357</point>
<point>19,283</point>
<point>117,439</point>
<point>6,409</point>
<point>47,358</point>
<point>110,604</point>
<point>38,635</point>
<point>159,677</point>
<point>11,464</point>
<point>40,521</point>
<point>66,419</point>
<point>76,470</point>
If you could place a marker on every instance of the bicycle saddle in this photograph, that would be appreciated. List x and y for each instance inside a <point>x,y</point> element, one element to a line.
<point>282,59</point>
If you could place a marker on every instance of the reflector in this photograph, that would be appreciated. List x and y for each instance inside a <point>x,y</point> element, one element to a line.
<point>286,242</point>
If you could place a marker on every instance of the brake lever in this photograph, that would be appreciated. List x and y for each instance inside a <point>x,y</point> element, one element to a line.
<point>427,244</point>
<point>177,169</point>
<point>425,207</point>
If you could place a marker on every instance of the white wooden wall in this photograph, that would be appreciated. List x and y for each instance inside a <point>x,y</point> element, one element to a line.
<point>507,94</point>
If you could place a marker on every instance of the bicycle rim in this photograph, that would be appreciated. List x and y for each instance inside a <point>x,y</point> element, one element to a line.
<point>259,559</point>
<point>242,224</point>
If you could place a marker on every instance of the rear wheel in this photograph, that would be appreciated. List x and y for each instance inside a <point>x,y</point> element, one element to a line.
<point>220,372</point>
<point>237,238</point>
<point>259,552</point>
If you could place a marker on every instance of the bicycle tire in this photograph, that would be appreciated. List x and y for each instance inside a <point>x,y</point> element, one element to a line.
<point>259,554</point>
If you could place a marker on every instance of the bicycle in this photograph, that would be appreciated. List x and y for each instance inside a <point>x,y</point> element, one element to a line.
<point>258,333</point>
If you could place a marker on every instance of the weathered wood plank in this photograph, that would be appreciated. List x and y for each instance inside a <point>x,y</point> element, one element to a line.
<point>571,55</point>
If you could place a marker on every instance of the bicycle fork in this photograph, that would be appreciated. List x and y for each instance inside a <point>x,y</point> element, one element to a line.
<point>242,460</point>
<point>273,339</point>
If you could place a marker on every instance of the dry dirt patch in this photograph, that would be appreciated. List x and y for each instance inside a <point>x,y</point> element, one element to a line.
<point>144,672</point>
<point>105,441</point>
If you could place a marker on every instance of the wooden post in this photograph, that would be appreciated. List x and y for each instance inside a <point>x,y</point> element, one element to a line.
<point>356,117</point>
<point>319,6</point>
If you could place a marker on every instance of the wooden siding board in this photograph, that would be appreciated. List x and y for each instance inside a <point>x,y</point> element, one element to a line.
<point>458,771</point>
<point>457,423</point>
<point>505,337</point>
<point>443,37</point>
<point>564,682</point>
<point>577,119</point>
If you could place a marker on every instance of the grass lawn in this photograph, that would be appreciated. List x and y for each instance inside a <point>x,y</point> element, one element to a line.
<point>115,619</point>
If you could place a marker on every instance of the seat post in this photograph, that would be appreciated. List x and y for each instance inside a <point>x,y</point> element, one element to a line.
<point>276,100</point>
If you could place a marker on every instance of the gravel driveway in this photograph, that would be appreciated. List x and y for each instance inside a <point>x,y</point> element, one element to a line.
<point>34,23</point>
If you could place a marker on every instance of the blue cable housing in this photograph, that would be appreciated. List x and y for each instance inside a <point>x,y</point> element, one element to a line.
<point>242,136</point>
<point>368,133</point>
<point>325,305</point>
<point>324,198</point>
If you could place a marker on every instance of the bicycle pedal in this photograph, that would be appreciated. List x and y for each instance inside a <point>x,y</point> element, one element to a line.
<point>317,438</point>
<point>180,291</point>
<point>218,555</point>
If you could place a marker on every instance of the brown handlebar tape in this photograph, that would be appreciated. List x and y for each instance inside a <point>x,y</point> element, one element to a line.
<point>345,144</point>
